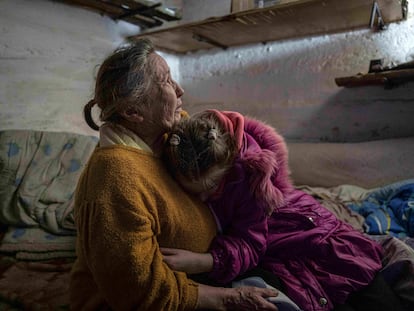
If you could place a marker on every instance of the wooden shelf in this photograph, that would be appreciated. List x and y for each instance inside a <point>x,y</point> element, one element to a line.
<point>141,13</point>
<point>283,21</point>
<point>388,79</point>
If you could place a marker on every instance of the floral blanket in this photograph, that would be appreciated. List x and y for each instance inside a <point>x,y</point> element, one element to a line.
<point>38,175</point>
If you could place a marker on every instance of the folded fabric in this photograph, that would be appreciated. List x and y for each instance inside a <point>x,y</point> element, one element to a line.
<point>36,244</point>
<point>335,199</point>
<point>38,176</point>
<point>398,267</point>
<point>389,210</point>
<point>34,285</point>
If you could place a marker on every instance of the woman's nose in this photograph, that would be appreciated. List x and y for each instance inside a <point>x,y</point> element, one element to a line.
<point>179,90</point>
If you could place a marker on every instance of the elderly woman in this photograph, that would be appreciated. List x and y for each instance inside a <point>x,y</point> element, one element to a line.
<point>127,206</point>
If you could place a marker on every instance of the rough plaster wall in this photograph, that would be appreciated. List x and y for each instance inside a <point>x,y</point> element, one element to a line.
<point>49,52</point>
<point>290,84</point>
<point>48,57</point>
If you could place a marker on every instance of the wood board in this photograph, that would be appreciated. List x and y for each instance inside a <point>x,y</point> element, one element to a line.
<point>283,21</point>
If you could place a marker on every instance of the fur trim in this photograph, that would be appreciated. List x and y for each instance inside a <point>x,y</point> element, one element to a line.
<point>270,175</point>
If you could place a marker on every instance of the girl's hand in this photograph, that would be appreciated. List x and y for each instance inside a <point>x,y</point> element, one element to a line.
<point>187,261</point>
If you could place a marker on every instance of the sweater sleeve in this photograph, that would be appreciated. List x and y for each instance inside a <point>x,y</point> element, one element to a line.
<point>119,245</point>
<point>243,242</point>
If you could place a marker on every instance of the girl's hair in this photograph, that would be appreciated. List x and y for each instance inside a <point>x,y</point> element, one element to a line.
<point>196,144</point>
<point>124,80</point>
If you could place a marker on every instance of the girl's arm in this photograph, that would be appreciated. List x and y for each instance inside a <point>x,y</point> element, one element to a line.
<point>187,261</point>
<point>232,253</point>
<point>242,243</point>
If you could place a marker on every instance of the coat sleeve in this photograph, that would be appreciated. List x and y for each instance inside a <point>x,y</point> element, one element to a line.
<point>242,244</point>
<point>119,244</point>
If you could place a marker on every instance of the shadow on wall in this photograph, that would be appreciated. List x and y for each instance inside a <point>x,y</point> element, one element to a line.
<point>359,114</point>
<point>291,86</point>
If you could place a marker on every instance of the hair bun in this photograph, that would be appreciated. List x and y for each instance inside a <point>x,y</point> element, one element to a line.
<point>174,140</point>
<point>212,134</point>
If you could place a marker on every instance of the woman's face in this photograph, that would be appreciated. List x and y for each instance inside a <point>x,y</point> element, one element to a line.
<point>166,104</point>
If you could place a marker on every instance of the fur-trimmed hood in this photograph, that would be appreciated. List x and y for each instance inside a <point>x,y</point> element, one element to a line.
<point>264,155</point>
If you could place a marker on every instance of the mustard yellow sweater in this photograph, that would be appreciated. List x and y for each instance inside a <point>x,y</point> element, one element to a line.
<point>126,206</point>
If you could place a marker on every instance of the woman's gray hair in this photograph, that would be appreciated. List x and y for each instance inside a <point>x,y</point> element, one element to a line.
<point>124,80</point>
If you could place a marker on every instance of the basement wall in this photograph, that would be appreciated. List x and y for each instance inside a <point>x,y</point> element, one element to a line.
<point>49,53</point>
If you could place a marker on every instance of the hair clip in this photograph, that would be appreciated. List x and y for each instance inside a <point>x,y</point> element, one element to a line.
<point>175,140</point>
<point>212,134</point>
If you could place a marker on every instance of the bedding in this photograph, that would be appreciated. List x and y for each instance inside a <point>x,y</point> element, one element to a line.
<point>38,176</point>
<point>389,210</point>
<point>39,171</point>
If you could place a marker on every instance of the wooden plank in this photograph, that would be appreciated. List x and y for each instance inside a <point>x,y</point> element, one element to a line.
<point>178,41</point>
<point>388,78</point>
<point>108,6</point>
<point>98,6</point>
<point>116,9</point>
<point>283,21</point>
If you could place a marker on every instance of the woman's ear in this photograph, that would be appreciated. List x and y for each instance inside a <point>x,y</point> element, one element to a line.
<point>132,115</point>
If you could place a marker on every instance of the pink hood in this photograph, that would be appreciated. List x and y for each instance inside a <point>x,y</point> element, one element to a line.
<point>263,154</point>
<point>268,162</point>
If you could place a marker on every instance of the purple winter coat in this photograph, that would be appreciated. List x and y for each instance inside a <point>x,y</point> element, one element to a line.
<point>319,258</point>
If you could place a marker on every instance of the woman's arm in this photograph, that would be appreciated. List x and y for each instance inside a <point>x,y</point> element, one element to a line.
<point>217,298</point>
<point>116,277</point>
<point>118,233</point>
<point>123,257</point>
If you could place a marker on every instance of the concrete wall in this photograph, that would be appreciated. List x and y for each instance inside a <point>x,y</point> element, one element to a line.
<point>290,84</point>
<point>49,52</point>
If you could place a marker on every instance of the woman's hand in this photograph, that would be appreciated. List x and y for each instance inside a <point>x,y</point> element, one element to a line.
<point>251,298</point>
<point>187,261</point>
<point>235,299</point>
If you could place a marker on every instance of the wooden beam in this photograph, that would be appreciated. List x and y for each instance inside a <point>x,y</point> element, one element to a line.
<point>388,78</point>
<point>131,11</point>
<point>290,19</point>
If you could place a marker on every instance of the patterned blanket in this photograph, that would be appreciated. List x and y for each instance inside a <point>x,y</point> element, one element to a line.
<point>38,175</point>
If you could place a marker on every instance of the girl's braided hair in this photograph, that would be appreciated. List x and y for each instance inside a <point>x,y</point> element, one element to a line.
<point>196,144</point>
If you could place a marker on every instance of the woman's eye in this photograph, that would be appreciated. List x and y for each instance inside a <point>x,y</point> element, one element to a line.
<point>167,81</point>
<point>164,79</point>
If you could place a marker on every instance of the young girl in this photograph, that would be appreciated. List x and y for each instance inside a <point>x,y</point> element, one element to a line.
<point>239,166</point>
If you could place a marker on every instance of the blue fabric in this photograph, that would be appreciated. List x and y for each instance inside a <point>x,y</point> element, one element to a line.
<point>389,210</point>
